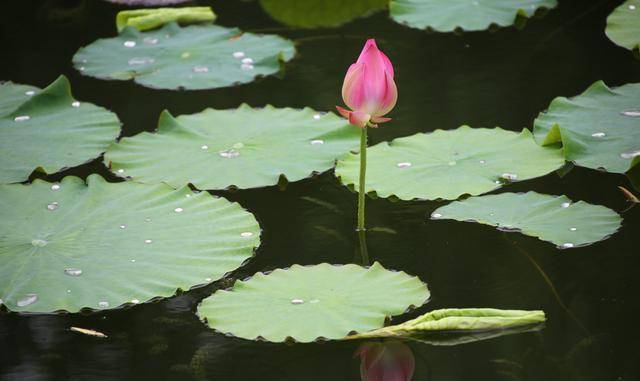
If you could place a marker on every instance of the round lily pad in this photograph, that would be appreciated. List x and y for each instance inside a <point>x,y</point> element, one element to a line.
<point>193,57</point>
<point>623,25</point>
<point>49,130</point>
<point>245,147</point>
<point>470,15</point>
<point>449,164</point>
<point>306,303</point>
<point>598,129</point>
<point>555,219</point>
<point>320,13</point>
<point>70,246</point>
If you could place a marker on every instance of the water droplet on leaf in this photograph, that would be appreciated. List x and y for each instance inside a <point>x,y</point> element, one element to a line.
<point>72,271</point>
<point>55,187</point>
<point>229,153</point>
<point>631,113</point>
<point>22,118</point>
<point>53,206</point>
<point>297,301</point>
<point>630,154</point>
<point>136,61</point>
<point>39,242</point>
<point>27,300</point>
<point>405,164</point>
<point>316,142</point>
<point>509,176</point>
<point>129,44</point>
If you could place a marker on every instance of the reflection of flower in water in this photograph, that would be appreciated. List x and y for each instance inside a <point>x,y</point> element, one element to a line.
<point>386,361</point>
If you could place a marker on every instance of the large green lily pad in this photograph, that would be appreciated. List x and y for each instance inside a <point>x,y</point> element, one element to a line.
<point>320,13</point>
<point>448,164</point>
<point>313,302</point>
<point>49,130</point>
<point>554,219</point>
<point>449,15</point>
<point>245,147</point>
<point>623,25</point>
<point>71,246</point>
<point>598,129</point>
<point>193,57</point>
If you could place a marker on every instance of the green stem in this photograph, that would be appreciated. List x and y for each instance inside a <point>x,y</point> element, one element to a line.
<point>364,253</point>
<point>363,173</point>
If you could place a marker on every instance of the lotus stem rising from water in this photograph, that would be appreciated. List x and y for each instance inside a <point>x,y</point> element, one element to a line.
<point>370,93</point>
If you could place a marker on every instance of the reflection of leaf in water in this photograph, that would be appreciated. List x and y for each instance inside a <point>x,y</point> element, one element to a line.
<point>320,13</point>
<point>332,232</point>
<point>147,3</point>
<point>591,358</point>
<point>457,338</point>
<point>322,203</point>
<point>382,229</point>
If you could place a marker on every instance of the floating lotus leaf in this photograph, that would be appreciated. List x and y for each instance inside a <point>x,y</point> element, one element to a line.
<point>49,130</point>
<point>554,219</point>
<point>13,95</point>
<point>308,303</point>
<point>320,13</point>
<point>100,245</point>
<point>448,164</point>
<point>194,57</point>
<point>598,129</point>
<point>456,319</point>
<point>623,25</point>
<point>449,15</point>
<point>243,147</point>
<point>143,19</point>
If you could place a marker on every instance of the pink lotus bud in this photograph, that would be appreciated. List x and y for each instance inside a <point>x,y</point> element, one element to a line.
<point>368,88</point>
<point>386,361</point>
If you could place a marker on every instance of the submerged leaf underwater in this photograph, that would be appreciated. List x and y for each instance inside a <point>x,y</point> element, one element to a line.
<point>501,77</point>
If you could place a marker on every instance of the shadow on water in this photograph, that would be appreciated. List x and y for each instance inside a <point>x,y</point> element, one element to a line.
<point>503,78</point>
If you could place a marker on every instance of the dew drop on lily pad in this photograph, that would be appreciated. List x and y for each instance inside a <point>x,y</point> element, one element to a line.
<point>27,300</point>
<point>72,271</point>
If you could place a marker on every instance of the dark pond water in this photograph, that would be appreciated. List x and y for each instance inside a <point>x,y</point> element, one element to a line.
<point>482,79</point>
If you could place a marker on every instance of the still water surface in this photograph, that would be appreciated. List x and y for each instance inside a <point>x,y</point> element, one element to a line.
<point>481,79</point>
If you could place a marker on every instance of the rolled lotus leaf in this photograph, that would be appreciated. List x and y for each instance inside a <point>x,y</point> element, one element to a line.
<point>151,18</point>
<point>458,319</point>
